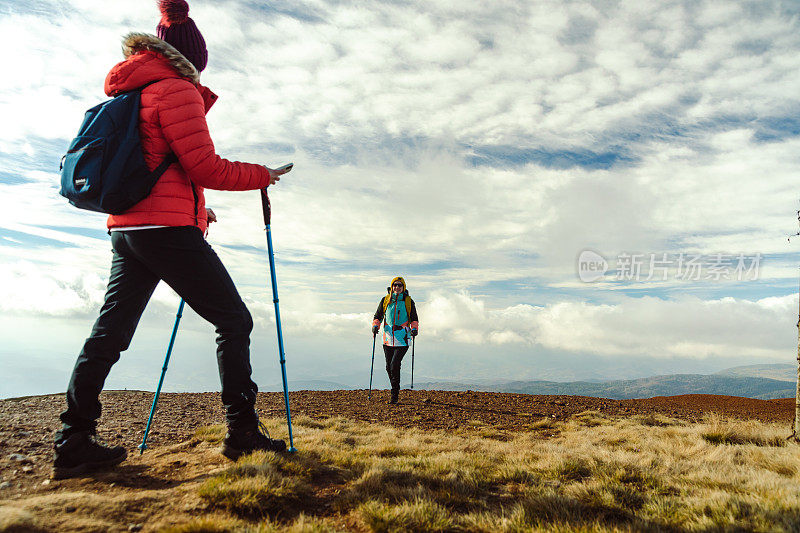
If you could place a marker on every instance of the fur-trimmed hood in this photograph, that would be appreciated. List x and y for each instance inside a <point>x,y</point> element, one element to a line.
<point>138,42</point>
<point>149,59</point>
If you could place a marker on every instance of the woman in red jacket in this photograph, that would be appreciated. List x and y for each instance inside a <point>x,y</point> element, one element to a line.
<point>161,238</point>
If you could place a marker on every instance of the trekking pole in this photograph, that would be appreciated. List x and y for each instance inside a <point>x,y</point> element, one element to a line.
<point>143,445</point>
<point>796,424</point>
<point>412,361</point>
<point>267,209</point>
<point>795,436</point>
<point>371,367</point>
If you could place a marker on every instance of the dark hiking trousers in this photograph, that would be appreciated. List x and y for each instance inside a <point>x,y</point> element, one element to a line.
<point>184,260</point>
<point>394,357</point>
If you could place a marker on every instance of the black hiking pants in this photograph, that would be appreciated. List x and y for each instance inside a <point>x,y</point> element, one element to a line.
<point>184,260</point>
<point>394,357</point>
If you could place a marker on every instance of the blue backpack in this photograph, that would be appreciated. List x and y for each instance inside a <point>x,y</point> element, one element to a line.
<point>104,169</point>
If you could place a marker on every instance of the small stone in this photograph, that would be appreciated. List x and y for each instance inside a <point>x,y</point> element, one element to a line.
<point>18,457</point>
<point>135,527</point>
<point>5,485</point>
<point>27,469</point>
<point>70,509</point>
<point>426,400</point>
<point>46,482</point>
<point>23,434</point>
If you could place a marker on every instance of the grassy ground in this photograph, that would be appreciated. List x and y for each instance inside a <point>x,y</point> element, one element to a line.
<point>591,473</point>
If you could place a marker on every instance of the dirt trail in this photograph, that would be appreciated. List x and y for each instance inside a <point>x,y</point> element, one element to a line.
<point>27,424</point>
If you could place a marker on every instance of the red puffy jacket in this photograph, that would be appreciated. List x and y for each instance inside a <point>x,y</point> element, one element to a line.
<point>172,118</point>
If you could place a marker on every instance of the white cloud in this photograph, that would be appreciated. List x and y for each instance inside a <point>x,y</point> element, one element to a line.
<point>485,74</point>
<point>647,327</point>
<point>66,294</point>
<point>70,290</point>
<point>381,106</point>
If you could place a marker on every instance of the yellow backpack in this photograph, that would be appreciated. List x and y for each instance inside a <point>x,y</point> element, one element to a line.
<point>388,298</point>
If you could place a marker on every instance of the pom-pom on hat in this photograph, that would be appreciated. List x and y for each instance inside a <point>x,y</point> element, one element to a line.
<point>179,30</point>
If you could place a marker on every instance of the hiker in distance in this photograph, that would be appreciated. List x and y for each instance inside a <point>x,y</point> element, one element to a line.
<point>162,238</point>
<point>399,316</point>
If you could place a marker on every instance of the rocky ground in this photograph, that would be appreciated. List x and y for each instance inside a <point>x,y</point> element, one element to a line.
<point>27,424</point>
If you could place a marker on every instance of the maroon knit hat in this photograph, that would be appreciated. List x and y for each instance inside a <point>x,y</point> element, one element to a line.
<point>179,30</point>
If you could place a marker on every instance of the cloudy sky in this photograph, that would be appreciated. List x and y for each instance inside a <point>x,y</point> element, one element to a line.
<point>475,148</point>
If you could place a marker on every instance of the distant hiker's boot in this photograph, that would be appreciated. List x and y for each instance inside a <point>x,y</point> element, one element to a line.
<point>394,397</point>
<point>81,453</point>
<point>239,442</point>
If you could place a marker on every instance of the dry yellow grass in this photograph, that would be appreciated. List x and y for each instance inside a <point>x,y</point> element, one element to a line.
<point>649,473</point>
<point>595,474</point>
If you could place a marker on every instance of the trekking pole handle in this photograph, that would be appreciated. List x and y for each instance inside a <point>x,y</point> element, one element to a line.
<point>265,206</point>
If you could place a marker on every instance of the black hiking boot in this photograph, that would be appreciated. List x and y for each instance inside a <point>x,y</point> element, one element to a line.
<point>395,397</point>
<point>239,442</point>
<point>81,453</point>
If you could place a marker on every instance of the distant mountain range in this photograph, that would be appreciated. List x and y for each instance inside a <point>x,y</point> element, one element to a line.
<point>781,372</point>
<point>764,382</point>
<point>747,381</point>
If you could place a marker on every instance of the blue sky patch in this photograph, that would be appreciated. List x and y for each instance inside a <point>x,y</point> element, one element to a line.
<point>46,155</point>
<point>21,239</point>
<point>773,129</point>
<point>13,178</point>
<point>511,156</point>
<point>76,230</point>
<point>29,7</point>
<point>295,10</point>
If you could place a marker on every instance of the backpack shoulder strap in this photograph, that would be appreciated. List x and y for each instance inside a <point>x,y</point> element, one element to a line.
<point>148,84</point>
<point>171,157</point>
<point>160,169</point>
